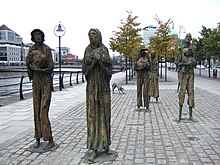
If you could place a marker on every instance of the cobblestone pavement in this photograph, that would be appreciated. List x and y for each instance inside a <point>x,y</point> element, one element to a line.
<point>152,138</point>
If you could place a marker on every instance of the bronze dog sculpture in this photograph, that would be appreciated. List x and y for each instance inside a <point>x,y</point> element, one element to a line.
<point>120,88</point>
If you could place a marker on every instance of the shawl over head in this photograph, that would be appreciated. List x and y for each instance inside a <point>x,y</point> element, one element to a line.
<point>99,35</point>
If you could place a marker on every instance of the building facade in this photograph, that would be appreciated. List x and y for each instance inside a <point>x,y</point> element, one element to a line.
<point>148,32</point>
<point>12,55</point>
<point>12,49</point>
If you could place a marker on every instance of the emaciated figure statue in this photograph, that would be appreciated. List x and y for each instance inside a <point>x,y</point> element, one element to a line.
<point>143,68</point>
<point>186,64</point>
<point>97,68</point>
<point>40,66</point>
<point>154,86</point>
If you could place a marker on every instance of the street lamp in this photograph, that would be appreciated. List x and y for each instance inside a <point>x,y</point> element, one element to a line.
<point>59,31</point>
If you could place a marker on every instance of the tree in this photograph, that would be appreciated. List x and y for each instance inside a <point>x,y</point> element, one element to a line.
<point>211,44</point>
<point>163,44</point>
<point>198,52</point>
<point>127,41</point>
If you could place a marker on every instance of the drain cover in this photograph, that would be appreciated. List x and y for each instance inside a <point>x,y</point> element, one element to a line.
<point>192,138</point>
<point>216,129</point>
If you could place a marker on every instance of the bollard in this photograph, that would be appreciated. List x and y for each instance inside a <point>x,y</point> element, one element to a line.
<point>214,73</point>
<point>62,80</point>
<point>83,78</point>
<point>71,79</point>
<point>77,77</point>
<point>21,93</point>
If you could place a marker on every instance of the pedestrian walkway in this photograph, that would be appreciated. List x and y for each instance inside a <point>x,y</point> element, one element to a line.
<point>138,138</point>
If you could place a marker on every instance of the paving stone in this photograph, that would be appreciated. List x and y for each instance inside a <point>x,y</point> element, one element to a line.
<point>138,137</point>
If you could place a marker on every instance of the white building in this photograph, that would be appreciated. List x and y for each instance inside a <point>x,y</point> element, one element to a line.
<point>64,50</point>
<point>12,49</point>
<point>12,55</point>
<point>148,32</point>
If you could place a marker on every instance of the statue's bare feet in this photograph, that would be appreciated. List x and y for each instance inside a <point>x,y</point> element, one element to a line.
<point>179,120</point>
<point>139,109</point>
<point>107,152</point>
<point>146,108</point>
<point>50,144</point>
<point>37,144</point>
<point>93,156</point>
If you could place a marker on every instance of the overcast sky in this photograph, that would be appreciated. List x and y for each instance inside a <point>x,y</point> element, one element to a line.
<point>78,17</point>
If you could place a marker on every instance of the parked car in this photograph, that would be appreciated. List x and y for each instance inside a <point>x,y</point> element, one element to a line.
<point>200,67</point>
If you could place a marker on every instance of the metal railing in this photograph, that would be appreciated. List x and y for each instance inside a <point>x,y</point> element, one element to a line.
<point>24,85</point>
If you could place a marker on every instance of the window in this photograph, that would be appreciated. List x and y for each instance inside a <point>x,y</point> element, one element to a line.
<point>3,49</point>
<point>11,36</point>
<point>18,39</point>
<point>3,58</point>
<point>2,35</point>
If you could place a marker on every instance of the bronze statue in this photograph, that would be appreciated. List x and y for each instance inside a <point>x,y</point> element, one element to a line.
<point>178,68</point>
<point>142,67</point>
<point>153,85</point>
<point>40,66</point>
<point>97,68</point>
<point>186,64</point>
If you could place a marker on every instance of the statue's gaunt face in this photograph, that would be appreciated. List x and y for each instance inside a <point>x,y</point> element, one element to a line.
<point>93,36</point>
<point>37,37</point>
<point>188,37</point>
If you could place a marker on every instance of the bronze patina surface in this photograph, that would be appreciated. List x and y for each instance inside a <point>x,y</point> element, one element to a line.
<point>97,67</point>
<point>40,66</point>
<point>186,64</point>
<point>143,67</point>
<point>154,85</point>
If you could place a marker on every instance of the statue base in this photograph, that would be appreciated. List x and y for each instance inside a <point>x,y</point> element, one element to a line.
<point>185,120</point>
<point>101,158</point>
<point>42,148</point>
<point>142,109</point>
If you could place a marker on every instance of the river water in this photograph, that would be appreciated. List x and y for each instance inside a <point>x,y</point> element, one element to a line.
<point>10,81</point>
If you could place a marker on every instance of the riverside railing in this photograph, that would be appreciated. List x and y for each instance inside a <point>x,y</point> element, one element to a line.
<point>18,85</point>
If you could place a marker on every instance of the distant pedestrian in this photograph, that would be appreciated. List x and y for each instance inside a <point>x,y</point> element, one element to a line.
<point>143,68</point>
<point>40,67</point>
<point>154,85</point>
<point>97,68</point>
<point>186,66</point>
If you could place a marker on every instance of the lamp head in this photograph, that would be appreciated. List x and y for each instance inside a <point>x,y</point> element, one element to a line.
<point>59,28</point>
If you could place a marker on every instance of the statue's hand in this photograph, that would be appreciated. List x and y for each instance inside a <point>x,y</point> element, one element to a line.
<point>31,57</point>
<point>32,66</point>
<point>97,56</point>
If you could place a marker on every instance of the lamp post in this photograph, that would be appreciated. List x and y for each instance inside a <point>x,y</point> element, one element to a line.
<point>59,31</point>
